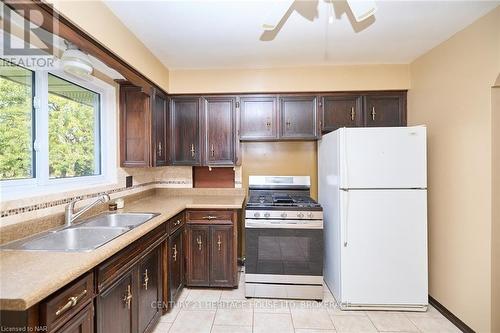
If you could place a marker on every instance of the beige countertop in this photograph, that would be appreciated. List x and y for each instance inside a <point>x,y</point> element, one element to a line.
<point>27,277</point>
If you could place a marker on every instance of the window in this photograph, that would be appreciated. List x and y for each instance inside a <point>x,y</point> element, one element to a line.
<point>73,130</point>
<point>16,122</point>
<point>51,131</point>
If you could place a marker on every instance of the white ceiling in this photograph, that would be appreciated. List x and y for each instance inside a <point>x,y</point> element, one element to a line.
<point>227,34</point>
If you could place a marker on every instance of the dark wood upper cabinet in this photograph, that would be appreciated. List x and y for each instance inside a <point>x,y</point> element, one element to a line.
<point>341,111</point>
<point>185,131</point>
<point>385,109</point>
<point>258,118</point>
<point>220,124</point>
<point>198,251</point>
<point>221,244</point>
<point>149,292</point>
<point>299,117</point>
<point>160,118</point>
<point>135,127</point>
<point>143,127</point>
<point>114,306</point>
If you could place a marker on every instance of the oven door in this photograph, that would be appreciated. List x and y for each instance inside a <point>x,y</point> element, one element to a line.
<point>284,247</point>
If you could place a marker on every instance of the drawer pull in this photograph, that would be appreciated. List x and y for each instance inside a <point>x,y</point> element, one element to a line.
<point>128,297</point>
<point>71,303</point>
<point>212,150</point>
<point>218,241</point>
<point>177,222</point>
<point>175,252</point>
<point>210,217</point>
<point>373,113</point>
<point>146,279</point>
<point>199,242</point>
<point>159,148</point>
<point>353,114</point>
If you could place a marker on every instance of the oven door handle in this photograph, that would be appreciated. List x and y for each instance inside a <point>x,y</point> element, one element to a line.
<point>283,224</point>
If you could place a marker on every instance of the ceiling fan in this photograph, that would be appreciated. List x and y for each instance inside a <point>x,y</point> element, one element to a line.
<point>361,10</point>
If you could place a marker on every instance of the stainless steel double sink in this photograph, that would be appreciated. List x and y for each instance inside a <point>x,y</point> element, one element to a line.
<point>83,236</point>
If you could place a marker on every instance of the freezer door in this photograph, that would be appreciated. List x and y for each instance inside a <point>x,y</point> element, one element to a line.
<point>384,247</point>
<point>383,157</point>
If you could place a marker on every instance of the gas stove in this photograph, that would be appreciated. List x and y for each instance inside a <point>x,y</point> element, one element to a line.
<point>283,239</point>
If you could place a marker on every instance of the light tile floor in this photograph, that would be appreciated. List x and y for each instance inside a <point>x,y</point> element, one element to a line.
<point>228,311</point>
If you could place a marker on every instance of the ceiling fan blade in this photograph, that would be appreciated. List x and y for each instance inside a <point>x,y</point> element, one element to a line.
<point>275,13</point>
<point>362,9</point>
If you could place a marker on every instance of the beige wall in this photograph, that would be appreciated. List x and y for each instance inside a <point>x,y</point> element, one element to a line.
<point>98,20</point>
<point>280,159</point>
<point>319,78</point>
<point>451,93</point>
<point>495,258</point>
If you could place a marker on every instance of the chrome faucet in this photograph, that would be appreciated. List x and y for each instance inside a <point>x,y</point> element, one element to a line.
<point>70,216</point>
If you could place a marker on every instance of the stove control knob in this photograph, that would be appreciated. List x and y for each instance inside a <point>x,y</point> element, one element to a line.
<point>283,215</point>
<point>300,215</point>
<point>310,215</point>
<point>267,214</point>
<point>256,214</point>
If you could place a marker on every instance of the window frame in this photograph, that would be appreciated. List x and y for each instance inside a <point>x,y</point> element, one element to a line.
<point>41,183</point>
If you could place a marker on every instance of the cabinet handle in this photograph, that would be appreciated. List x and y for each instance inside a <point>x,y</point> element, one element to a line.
<point>71,303</point>
<point>210,217</point>
<point>128,297</point>
<point>200,243</point>
<point>218,241</point>
<point>373,113</point>
<point>288,123</point>
<point>177,222</point>
<point>212,150</point>
<point>159,148</point>
<point>268,125</point>
<point>353,113</point>
<point>175,252</point>
<point>192,151</point>
<point>146,279</point>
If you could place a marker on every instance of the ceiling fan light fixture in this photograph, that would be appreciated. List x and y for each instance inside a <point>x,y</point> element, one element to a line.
<point>362,9</point>
<point>77,63</point>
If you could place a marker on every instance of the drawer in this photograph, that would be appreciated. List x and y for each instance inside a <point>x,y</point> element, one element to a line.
<point>210,216</point>
<point>176,222</point>
<point>58,308</point>
<point>112,268</point>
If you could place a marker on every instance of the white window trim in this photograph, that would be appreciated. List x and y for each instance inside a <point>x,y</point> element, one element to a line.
<point>42,184</point>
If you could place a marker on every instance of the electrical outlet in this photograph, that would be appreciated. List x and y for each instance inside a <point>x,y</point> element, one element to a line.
<point>128,181</point>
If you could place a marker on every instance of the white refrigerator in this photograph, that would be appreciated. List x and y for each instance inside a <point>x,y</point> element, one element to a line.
<point>373,188</point>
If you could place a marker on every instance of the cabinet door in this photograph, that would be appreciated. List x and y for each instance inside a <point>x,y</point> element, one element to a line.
<point>220,130</point>
<point>298,117</point>
<point>175,253</point>
<point>185,131</point>
<point>149,289</point>
<point>115,306</point>
<point>198,255</point>
<point>221,254</point>
<point>258,118</point>
<point>83,322</point>
<point>135,127</point>
<point>160,108</point>
<point>385,110</point>
<point>341,111</point>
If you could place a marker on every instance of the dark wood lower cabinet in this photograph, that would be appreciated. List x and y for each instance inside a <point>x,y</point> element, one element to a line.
<point>175,252</point>
<point>83,322</point>
<point>149,290</point>
<point>114,305</point>
<point>197,256</point>
<point>221,253</point>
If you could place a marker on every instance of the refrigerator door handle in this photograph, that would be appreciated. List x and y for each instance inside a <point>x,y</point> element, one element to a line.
<point>346,216</point>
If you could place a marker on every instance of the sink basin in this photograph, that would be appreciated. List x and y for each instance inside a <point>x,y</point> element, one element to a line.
<point>73,239</point>
<point>123,220</point>
<point>84,236</point>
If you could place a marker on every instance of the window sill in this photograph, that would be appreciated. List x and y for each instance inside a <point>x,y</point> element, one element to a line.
<point>56,188</point>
